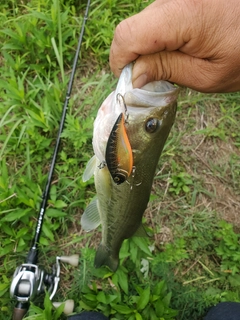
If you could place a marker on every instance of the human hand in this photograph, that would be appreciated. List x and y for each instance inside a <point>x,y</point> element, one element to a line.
<point>194,43</point>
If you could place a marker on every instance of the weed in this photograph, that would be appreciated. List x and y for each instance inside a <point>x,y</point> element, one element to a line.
<point>228,248</point>
<point>179,182</point>
<point>147,301</point>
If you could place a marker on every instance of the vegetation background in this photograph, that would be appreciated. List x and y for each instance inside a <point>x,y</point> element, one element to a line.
<point>191,261</point>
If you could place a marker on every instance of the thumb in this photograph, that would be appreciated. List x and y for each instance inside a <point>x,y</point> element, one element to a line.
<point>179,68</point>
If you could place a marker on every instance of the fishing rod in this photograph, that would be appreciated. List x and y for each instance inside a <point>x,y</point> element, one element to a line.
<point>29,280</point>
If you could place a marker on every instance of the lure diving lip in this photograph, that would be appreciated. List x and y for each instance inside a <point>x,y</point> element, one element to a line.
<point>118,155</point>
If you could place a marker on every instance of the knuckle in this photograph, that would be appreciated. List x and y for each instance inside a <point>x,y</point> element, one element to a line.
<point>211,77</point>
<point>121,30</point>
<point>163,67</point>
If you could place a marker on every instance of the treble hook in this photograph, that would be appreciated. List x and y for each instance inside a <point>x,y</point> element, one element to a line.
<point>119,95</point>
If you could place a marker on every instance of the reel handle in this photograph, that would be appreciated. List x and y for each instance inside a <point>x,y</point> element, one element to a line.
<point>73,260</point>
<point>68,306</point>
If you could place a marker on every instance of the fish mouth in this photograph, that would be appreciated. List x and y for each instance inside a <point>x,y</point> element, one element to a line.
<point>156,96</point>
<point>152,94</point>
<point>160,86</point>
<point>152,97</point>
<point>162,93</point>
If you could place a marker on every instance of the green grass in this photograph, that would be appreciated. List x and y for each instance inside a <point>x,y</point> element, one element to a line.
<point>191,260</point>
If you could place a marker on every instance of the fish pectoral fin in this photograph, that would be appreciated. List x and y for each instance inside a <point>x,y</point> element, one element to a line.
<point>141,232</point>
<point>90,168</point>
<point>90,219</point>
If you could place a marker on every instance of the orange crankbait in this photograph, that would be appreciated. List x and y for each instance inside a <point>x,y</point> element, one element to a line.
<point>119,156</point>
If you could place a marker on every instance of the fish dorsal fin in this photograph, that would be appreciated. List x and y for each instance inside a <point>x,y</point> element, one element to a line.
<point>90,168</point>
<point>90,219</point>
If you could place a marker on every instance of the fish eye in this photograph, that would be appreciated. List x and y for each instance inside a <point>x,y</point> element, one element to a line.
<point>151,125</point>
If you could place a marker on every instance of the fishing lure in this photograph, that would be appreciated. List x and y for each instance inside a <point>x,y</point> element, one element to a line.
<point>118,155</point>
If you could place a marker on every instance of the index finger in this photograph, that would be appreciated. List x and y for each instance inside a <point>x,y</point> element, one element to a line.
<point>163,25</point>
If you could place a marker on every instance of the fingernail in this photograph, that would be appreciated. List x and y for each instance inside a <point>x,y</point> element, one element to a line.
<point>140,81</point>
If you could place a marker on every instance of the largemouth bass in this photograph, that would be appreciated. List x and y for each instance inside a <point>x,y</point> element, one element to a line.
<point>134,125</point>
